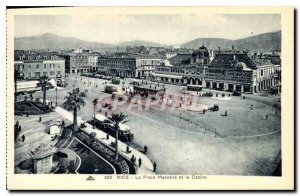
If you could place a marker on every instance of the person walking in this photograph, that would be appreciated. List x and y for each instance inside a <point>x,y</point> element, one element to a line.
<point>140,162</point>
<point>267,117</point>
<point>154,166</point>
<point>23,138</point>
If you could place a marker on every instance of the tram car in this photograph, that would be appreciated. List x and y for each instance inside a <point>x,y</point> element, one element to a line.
<point>103,123</point>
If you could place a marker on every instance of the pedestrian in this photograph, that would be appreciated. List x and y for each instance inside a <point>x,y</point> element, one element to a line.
<point>154,166</point>
<point>267,117</point>
<point>27,114</point>
<point>127,149</point>
<point>203,111</point>
<point>132,159</point>
<point>107,137</point>
<point>19,128</point>
<point>226,113</point>
<point>276,112</point>
<point>23,138</point>
<point>145,149</point>
<point>140,162</point>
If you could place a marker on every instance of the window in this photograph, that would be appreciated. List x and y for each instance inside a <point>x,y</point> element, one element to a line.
<point>261,72</point>
<point>52,73</point>
<point>19,67</point>
<point>44,73</point>
<point>54,66</point>
<point>37,66</point>
<point>29,66</point>
<point>58,72</point>
<point>45,66</point>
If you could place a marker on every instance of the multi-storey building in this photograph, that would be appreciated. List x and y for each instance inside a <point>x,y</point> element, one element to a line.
<point>80,61</point>
<point>33,65</point>
<point>228,70</point>
<point>129,65</point>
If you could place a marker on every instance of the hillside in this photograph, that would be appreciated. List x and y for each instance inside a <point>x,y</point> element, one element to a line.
<point>52,41</point>
<point>263,42</point>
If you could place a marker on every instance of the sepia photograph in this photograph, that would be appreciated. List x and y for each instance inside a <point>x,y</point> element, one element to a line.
<point>153,93</point>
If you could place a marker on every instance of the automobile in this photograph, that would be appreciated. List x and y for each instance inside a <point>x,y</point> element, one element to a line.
<point>115,81</point>
<point>215,108</point>
<point>108,77</point>
<point>110,89</point>
<point>236,93</point>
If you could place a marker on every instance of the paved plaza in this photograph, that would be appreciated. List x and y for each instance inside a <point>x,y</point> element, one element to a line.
<point>189,142</point>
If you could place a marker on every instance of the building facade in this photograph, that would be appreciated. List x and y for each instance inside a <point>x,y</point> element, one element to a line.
<point>80,61</point>
<point>130,65</point>
<point>228,70</point>
<point>34,65</point>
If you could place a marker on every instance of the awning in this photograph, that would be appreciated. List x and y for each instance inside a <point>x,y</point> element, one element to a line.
<point>167,76</point>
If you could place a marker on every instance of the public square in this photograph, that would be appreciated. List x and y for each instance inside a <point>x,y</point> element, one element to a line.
<point>189,142</point>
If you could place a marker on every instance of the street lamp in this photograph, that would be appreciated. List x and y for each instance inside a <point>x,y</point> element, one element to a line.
<point>95,101</point>
<point>56,95</point>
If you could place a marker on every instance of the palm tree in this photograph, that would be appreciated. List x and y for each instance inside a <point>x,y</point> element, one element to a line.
<point>74,100</point>
<point>17,76</point>
<point>116,119</point>
<point>44,83</point>
<point>95,101</point>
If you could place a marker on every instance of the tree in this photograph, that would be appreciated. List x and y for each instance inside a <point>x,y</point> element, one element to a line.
<point>95,101</point>
<point>44,83</point>
<point>74,100</point>
<point>116,119</point>
<point>17,76</point>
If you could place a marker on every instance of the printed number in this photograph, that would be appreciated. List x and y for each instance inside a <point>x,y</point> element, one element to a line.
<point>108,177</point>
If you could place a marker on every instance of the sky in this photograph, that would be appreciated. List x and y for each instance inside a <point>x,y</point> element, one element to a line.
<point>163,29</point>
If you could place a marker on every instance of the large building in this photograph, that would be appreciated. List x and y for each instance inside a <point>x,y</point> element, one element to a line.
<point>35,64</point>
<point>228,70</point>
<point>79,61</point>
<point>130,65</point>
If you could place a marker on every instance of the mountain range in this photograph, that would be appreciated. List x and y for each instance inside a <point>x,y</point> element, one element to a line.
<point>263,42</point>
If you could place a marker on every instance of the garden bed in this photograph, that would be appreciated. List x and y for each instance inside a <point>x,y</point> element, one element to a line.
<point>31,108</point>
<point>91,163</point>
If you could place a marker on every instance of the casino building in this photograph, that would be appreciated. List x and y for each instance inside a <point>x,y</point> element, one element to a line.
<point>229,71</point>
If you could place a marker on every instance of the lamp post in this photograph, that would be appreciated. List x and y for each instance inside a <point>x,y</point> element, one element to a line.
<point>56,95</point>
<point>95,101</point>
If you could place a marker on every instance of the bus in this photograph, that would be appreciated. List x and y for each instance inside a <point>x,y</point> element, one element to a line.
<point>103,123</point>
<point>194,88</point>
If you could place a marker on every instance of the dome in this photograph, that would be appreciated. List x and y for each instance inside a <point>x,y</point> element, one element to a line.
<point>241,65</point>
<point>201,52</point>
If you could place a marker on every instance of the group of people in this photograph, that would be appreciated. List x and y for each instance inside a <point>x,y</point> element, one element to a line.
<point>18,130</point>
<point>133,159</point>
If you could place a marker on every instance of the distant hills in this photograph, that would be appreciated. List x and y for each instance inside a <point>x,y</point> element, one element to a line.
<point>52,41</point>
<point>140,43</point>
<point>262,42</point>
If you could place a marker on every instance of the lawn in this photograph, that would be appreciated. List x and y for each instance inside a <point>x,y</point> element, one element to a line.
<point>91,163</point>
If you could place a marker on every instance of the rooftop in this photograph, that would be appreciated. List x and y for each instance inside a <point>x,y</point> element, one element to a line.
<point>44,150</point>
